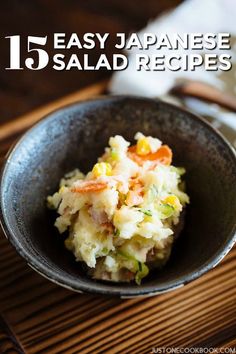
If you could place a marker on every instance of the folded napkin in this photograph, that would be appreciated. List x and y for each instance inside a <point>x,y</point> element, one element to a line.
<point>191,16</point>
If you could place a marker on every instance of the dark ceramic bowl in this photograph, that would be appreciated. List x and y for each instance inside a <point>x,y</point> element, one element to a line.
<point>74,137</point>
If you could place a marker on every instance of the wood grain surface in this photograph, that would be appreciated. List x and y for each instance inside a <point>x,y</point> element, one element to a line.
<point>40,317</point>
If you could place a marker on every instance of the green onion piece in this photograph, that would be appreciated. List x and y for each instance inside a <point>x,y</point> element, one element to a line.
<point>145,211</point>
<point>165,210</point>
<point>105,250</point>
<point>130,258</point>
<point>141,273</point>
<point>117,232</point>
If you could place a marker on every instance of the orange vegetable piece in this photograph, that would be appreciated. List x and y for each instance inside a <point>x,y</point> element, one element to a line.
<point>89,186</point>
<point>162,155</point>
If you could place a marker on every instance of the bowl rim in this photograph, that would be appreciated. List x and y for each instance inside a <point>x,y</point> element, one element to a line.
<point>132,291</point>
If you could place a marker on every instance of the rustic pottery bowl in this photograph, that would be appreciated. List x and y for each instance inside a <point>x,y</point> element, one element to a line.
<point>74,137</point>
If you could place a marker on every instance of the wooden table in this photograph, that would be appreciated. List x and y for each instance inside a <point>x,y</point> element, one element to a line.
<point>39,317</point>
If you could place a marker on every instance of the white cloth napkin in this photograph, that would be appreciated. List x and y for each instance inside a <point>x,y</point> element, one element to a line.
<point>192,16</point>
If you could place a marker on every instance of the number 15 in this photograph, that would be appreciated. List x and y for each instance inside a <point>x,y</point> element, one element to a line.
<point>29,62</point>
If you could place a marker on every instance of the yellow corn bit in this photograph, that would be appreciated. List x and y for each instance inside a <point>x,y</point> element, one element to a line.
<point>173,201</point>
<point>143,147</point>
<point>148,218</point>
<point>102,169</point>
<point>62,189</point>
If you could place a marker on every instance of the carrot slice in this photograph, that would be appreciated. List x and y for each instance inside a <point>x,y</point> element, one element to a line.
<point>162,155</point>
<point>89,186</point>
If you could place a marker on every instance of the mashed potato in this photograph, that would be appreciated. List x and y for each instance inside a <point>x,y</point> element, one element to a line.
<point>121,217</point>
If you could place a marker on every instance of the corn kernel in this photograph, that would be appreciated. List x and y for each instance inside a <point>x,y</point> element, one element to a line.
<point>148,218</point>
<point>143,147</point>
<point>102,169</point>
<point>62,189</point>
<point>173,201</point>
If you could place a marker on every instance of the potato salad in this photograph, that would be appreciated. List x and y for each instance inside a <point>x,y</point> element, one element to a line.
<point>120,219</point>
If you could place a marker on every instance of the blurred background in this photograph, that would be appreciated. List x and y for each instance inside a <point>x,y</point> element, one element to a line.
<point>23,90</point>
